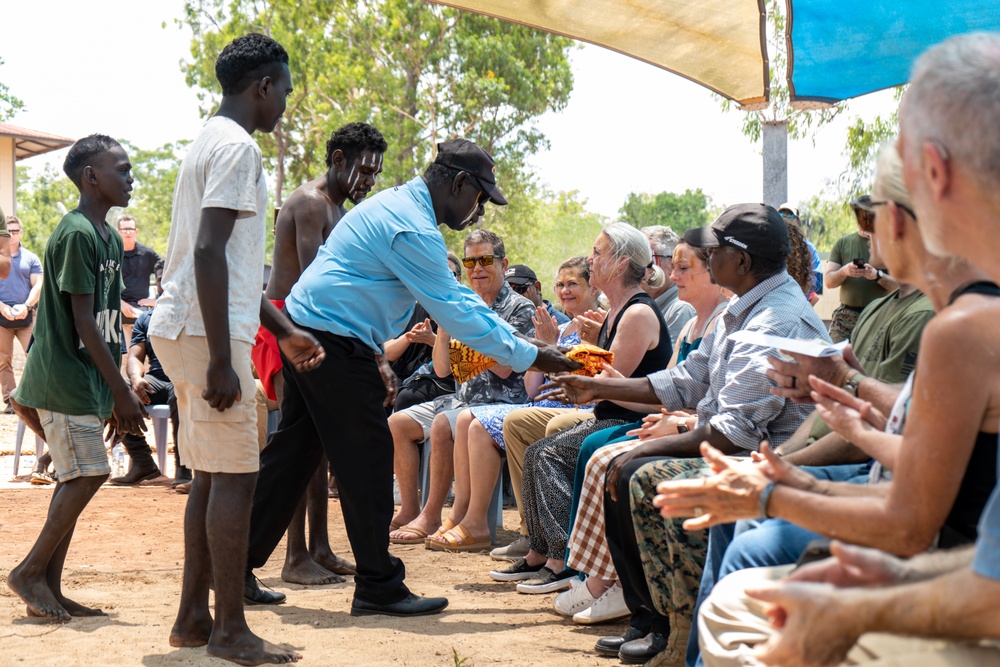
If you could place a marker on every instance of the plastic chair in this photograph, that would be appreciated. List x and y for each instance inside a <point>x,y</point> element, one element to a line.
<point>160,414</point>
<point>39,446</point>
<point>494,516</point>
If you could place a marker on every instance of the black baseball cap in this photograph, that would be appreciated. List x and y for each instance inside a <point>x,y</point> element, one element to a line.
<point>463,155</point>
<point>519,274</point>
<point>757,229</point>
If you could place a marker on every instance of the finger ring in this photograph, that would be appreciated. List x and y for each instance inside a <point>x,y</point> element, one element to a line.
<point>793,382</point>
<point>698,511</point>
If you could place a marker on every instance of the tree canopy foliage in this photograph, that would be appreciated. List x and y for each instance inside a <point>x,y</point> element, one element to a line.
<point>9,104</point>
<point>421,73</point>
<point>45,195</point>
<point>680,212</point>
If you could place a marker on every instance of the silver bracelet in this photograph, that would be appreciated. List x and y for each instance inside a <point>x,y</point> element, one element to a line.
<point>765,496</point>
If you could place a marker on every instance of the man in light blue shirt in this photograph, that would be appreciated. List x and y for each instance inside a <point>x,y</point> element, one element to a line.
<point>357,294</point>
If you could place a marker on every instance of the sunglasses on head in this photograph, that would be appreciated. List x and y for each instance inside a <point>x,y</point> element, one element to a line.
<point>485,260</point>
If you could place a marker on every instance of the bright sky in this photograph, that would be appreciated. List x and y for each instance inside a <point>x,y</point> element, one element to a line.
<point>110,66</point>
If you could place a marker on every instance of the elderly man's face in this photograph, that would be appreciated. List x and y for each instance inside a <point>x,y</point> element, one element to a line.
<point>723,264</point>
<point>932,223</point>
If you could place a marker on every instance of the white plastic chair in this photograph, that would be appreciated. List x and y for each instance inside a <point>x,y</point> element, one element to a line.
<point>39,446</point>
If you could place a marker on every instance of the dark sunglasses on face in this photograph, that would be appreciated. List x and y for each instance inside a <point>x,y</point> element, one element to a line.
<point>520,289</point>
<point>485,260</point>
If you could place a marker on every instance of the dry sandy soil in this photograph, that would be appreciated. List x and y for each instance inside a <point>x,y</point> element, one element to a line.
<point>126,559</point>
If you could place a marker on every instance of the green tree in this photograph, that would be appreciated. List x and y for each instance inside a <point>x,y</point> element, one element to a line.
<point>555,227</point>
<point>802,122</point>
<point>9,105</point>
<point>43,198</point>
<point>826,220</point>
<point>421,73</point>
<point>155,173</point>
<point>680,212</point>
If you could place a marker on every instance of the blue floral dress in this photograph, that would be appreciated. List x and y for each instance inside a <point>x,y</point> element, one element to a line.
<point>492,416</point>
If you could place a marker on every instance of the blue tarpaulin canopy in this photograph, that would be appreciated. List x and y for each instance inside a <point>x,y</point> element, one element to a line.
<point>842,49</point>
<point>837,48</point>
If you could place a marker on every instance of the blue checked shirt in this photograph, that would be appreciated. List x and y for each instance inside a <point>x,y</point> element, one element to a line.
<point>726,380</point>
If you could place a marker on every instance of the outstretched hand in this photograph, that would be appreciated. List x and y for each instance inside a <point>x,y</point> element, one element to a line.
<point>570,389</point>
<point>550,359</point>
<point>732,493</point>
<point>852,566</point>
<point>846,414</point>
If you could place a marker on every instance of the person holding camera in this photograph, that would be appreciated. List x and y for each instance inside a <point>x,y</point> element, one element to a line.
<point>860,283</point>
<point>19,294</point>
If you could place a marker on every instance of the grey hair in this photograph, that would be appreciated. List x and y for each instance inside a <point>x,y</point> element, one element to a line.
<point>627,241</point>
<point>478,236</point>
<point>954,99</point>
<point>889,181</point>
<point>662,239</point>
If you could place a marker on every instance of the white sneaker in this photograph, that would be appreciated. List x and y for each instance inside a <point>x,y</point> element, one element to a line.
<point>517,549</point>
<point>609,607</point>
<point>574,600</point>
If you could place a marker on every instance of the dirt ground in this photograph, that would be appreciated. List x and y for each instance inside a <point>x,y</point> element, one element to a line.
<point>126,559</point>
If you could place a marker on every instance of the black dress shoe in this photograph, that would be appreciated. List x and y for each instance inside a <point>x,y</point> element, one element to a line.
<point>611,645</point>
<point>254,594</point>
<point>411,605</point>
<point>643,650</point>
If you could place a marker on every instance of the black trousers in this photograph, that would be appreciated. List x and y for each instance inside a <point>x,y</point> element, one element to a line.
<point>163,393</point>
<point>336,409</point>
<point>624,549</point>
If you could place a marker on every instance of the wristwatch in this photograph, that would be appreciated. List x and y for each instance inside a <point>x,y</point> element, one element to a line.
<point>852,384</point>
<point>879,274</point>
<point>682,427</point>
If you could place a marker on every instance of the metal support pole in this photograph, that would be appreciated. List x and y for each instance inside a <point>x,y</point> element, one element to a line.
<point>775,134</point>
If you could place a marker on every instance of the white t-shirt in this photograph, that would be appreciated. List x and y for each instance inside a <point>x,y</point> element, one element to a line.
<point>222,170</point>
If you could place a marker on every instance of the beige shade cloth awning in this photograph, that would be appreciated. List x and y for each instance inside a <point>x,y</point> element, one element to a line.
<point>29,143</point>
<point>719,44</point>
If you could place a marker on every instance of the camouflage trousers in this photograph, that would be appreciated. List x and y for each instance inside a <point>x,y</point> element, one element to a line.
<point>842,322</point>
<point>672,558</point>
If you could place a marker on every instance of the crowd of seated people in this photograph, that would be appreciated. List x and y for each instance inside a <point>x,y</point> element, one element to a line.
<point>890,445</point>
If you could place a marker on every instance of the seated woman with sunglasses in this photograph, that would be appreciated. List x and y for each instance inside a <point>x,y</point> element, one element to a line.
<point>433,422</point>
<point>479,443</point>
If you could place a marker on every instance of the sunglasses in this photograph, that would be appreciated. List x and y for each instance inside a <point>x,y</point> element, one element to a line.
<point>520,289</point>
<point>484,261</point>
<point>902,206</point>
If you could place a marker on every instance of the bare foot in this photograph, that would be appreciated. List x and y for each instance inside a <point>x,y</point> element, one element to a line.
<point>400,520</point>
<point>191,632</point>
<point>77,609</point>
<point>37,596</point>
<point>309,573</point>
<point>249,649</point>
<point>334,563</point>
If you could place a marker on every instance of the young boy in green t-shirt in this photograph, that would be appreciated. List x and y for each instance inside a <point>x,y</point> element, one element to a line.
<point>71,376</point>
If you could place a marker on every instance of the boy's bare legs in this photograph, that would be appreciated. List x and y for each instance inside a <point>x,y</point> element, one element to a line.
<point>32,580</point>
<point>300,565</point>
<point>216,529</point>
<point>318,497</point>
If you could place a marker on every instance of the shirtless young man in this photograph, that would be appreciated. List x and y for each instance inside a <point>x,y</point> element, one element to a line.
<point>354,160</point>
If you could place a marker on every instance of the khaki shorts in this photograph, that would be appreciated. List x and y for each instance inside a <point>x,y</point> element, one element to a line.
<point>211,441</point>
<point>76,443</point>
